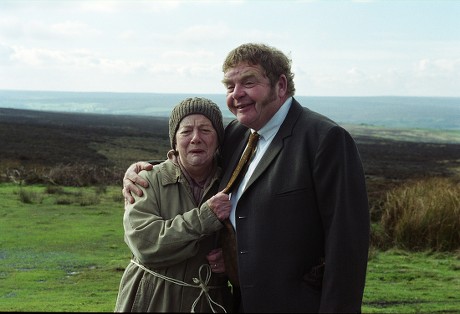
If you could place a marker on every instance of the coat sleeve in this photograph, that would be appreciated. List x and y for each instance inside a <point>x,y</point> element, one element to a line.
<point>158,238</point>
<point>343,205</point>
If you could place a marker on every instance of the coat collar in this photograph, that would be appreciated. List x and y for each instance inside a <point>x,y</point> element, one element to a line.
<point>171,173</point>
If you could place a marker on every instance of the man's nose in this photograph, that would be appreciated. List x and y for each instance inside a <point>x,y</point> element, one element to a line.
<point>238,91</point>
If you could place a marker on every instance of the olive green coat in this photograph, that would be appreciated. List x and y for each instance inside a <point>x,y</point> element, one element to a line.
<point>169,233</point>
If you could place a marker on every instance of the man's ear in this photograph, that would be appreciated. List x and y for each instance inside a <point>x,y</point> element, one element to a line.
<point>282,86</point>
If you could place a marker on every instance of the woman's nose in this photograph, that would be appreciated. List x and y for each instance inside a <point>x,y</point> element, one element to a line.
<point>196,136</point>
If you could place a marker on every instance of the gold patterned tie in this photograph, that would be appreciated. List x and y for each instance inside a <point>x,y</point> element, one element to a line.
<point>243,164</point>
<point>228,240</point>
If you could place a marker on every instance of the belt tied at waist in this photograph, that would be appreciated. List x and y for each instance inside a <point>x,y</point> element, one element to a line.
<point>199,283</point>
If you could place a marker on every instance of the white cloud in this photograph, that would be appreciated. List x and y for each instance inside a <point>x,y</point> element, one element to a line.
<point>180,45</point>
<point>128,35</point>
<point>188,54</point>
<point>5,53</point>
<point>111,7</point>
<point>73,28</point>
<point>438,67</point>
<point>15,29</point>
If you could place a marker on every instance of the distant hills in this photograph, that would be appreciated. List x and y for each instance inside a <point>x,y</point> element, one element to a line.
<point>440,113</point>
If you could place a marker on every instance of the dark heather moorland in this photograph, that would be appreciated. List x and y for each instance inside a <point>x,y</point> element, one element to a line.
<point>33,143</point>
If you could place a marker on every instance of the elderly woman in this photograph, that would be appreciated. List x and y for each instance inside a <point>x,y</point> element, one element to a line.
<point>171,229</point>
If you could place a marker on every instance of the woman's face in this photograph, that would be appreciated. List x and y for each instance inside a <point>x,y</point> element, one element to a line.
<point>196,141</point>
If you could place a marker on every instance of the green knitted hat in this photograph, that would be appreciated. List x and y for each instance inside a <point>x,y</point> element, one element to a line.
<point>195,105</point>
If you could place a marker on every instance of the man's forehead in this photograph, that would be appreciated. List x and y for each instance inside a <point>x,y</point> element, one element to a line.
<point>243,70</point>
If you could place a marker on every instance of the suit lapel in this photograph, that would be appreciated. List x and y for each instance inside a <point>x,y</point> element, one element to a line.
<point>277,144</point>
<point>238,151</point>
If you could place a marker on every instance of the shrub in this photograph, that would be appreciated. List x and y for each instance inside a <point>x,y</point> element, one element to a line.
<point>379,239</point>
<point>90,200</point>
<point>424,214</point>
<point>54,189</point>
<point>29,197</point>
<point>119,198</point>
<point>63,175</point>
<point>83,175</point>
<point>63,201</point>
<point>100,189</point>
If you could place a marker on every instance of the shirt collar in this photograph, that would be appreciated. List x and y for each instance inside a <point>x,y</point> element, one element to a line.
<point>272,126</point>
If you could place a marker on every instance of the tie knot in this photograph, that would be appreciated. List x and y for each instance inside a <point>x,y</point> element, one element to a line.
<point>253,138</point>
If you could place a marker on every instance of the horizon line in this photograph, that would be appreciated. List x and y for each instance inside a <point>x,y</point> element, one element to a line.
<point>210,93</point>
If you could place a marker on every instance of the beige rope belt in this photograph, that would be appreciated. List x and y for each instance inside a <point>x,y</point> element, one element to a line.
<point>200,284</point>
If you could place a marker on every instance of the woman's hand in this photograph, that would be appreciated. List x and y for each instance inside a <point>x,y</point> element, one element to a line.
<point>221,206</point>
<point>216,261</point>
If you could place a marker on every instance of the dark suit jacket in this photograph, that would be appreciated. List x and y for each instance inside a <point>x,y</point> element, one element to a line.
<point>303,220</point>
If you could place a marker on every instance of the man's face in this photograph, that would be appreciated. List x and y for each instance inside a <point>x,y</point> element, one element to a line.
<point>250,97</point>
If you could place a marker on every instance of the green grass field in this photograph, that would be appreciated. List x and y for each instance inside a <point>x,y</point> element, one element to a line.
<point>62,249</point>
<point>62,252</point>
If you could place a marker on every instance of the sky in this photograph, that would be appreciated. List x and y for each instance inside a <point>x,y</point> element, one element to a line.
<point>337,47</point>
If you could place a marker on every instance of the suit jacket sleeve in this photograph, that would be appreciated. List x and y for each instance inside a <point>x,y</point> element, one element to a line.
<point>342,200</point>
